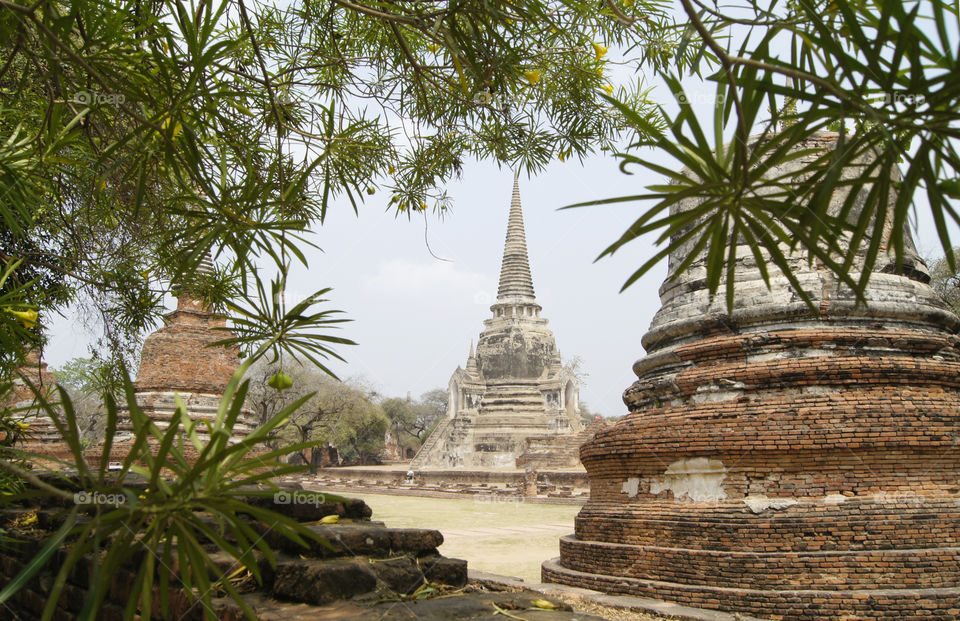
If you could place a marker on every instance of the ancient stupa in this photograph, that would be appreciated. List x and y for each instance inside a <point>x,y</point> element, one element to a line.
<point>514,386</point>
<point>41,436</point>
<point>179,359</point>
<point>781,463</point>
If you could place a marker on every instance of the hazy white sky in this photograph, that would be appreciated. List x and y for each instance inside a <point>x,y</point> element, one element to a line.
<point>414,316</point>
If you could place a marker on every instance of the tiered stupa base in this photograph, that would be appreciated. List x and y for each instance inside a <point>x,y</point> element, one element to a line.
<point>781,464</point>
<point>819,483</point>
<point>40,439</point>
<point>182,358</point>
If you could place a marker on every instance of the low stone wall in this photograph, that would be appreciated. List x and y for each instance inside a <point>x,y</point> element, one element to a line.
<point>559,484</point>
<point>908,604</point>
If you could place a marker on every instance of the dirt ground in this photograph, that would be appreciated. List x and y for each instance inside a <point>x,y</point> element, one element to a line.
<point>507,537</point>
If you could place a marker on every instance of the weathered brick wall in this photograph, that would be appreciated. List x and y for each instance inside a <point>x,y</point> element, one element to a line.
<point>41,437</point>
<point>905,604</point>
<point>783,463</point>
<point>178,356</point>
<point>180,360</point>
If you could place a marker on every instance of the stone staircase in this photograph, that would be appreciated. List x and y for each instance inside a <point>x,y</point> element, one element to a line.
<point>556,452</point>
<point>435,437</point>
<point>447,439</point>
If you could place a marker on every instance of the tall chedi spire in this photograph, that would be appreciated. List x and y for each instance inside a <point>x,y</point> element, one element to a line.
<point>516,283</point>
<point>514,386</point>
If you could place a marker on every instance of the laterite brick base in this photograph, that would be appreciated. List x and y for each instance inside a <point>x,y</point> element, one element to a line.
<point>181,359</point>
<point>779,464</point>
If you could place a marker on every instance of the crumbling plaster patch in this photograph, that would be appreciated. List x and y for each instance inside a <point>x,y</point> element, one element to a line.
<point>758,503</point>
<point>697,479</point>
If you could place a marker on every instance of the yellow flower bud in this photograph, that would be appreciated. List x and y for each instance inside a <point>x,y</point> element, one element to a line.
<point>599,51</point>
<point>280,381</point>
<point>608,88</point>
<point>532,76</point>
<point>28,317</point>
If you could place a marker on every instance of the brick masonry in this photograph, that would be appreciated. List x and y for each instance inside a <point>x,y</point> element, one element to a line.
<point>782,464</point>
<point>180,359</point>
<point>180,355</point>
<point>41,437</point>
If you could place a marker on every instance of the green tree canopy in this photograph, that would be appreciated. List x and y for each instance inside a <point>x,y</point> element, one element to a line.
<point>880,72</point>
<point>412,421</point>
<point>140,138</point>
<point>342,414</point>
<point>946,280</point>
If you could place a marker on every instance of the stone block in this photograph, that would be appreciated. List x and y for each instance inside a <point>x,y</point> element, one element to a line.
<point>443,570</point>
<point>321,582</point>
<point>401,575</point>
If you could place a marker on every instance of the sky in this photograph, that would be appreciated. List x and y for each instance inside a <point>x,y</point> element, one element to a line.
<point>414,316</point>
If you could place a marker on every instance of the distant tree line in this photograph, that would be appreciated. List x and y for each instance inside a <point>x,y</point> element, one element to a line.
<point>348,415</point>
<point>946,281</point>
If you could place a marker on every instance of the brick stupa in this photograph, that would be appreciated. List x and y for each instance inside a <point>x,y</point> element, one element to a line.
<point>514,387</point>
<point>181,359</point>
<point>781,464</point>
<point>41,436</point>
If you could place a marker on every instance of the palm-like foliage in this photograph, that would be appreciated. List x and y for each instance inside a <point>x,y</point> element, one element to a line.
<point>184,506</point>
<point>139,138</point>
<point>881,73</point>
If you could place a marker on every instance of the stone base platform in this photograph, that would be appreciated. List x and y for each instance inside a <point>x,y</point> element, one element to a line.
<point>560,486</point>
<point>610,606</point>
<point>470,604</point>
<point>908,604</point>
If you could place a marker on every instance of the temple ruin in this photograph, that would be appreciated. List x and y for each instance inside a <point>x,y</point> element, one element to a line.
<point>781,463</point>
<point>180,359</point>
<point>41,437</point>
<point>514,386</point>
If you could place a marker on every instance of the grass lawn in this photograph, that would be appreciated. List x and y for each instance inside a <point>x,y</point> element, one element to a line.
<point>509,538</point>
